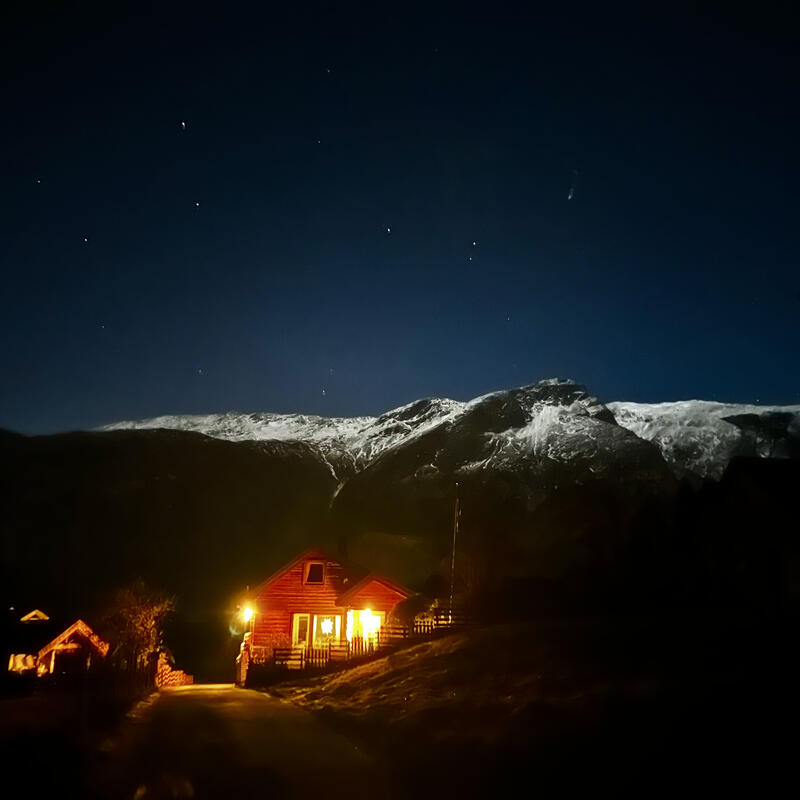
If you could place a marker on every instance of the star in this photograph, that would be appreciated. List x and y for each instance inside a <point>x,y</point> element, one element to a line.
<point>323,393</point>
<point>197,205</point>
<point>474,244</point>
<point>183,126</point>
<point>199,371</point>
<point>388,230</point>
<point>38,180</point>
<point>86,240</point>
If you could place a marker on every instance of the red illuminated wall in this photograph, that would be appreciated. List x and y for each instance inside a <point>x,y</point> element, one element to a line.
<point>286,594</point>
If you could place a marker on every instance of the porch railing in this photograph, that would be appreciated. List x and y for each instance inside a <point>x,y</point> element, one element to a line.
<point>303,657</point>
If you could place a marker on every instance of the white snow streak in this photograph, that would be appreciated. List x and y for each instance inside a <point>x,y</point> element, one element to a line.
<point>690,434</point>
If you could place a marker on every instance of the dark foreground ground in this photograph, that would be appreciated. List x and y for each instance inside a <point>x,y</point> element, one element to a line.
<point>629,709</point>
<point>219,741</point>
<point>635,707</point>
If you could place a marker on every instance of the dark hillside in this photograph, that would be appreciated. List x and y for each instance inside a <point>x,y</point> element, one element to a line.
<point>199,517</point>
<point>640,705</point>
<point>609,530</point>
<point>560,506</point>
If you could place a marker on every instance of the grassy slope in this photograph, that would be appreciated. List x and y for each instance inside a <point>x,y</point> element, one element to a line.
<point>621,702</point>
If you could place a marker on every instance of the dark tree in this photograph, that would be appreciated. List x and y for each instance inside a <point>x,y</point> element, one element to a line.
<point>135,622</point>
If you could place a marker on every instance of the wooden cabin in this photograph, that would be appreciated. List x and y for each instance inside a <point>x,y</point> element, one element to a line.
<point>315,603</point>
<point>41,645</point>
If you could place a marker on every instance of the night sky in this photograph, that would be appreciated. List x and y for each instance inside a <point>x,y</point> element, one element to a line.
<point>336,210</point>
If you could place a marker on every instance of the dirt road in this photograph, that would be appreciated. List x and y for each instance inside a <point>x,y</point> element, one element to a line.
<point>212,741</point>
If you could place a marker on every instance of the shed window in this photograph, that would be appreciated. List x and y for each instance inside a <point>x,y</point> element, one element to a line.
<point>315,572</point>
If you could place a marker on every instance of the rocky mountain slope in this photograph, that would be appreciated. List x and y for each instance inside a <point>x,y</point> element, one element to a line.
<point>703,437</point>
<point>693,435</point>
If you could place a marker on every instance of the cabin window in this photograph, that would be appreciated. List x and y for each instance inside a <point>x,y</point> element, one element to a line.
<point>364,624</point>
<point>300,628</point>
<point>327,629</point>
<point>315,572</point>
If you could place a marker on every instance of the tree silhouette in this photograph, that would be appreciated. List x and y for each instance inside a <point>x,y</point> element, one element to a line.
<point>135,621</point>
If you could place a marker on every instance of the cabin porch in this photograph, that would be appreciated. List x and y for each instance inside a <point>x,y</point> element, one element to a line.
<point>308,654</point>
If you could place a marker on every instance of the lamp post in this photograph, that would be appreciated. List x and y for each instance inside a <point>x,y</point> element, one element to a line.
<point>243,661</point>
<point>248,617</point>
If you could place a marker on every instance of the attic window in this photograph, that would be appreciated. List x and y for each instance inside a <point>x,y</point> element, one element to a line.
<point>315,572</point>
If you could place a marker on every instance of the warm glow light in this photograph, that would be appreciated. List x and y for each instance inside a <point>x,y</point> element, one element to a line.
<point>327,626</point>
<point>370,623</point>
<point>348,628</point>
<point>247,613</point>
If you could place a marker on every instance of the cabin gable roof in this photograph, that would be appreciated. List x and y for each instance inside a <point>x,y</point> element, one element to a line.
<point>353,591</point>
<point>353,579</point>
<point>311,554</point>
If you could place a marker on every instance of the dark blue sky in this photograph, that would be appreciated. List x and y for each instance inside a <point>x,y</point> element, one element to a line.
<point>672,272</point>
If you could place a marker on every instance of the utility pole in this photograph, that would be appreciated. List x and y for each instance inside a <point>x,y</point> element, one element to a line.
<point>456,515</point>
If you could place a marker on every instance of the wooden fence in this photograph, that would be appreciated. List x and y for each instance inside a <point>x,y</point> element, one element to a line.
<point>390,635</point>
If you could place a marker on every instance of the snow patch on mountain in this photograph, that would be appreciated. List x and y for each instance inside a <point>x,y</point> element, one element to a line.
<point>554,434</point>
<point>703,436</point>
<point>238,427</point>
<point>358,439</point>
<point>404,424</point>
<point>568,426</point>
<point>553,419</point>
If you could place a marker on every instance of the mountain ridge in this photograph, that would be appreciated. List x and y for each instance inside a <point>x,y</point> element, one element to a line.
<point>555,495</point>
<point>693,436</point>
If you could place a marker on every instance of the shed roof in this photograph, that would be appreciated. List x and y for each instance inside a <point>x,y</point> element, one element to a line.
<point>358,586</point>
<point>37,635</point>
<point>80,627</point>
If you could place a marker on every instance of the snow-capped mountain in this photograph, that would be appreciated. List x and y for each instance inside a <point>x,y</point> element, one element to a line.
<point>356,439</point>
<point>555,420</point>
<point>511,452</point>
<point>703,436</point>
<point>552,485</point>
